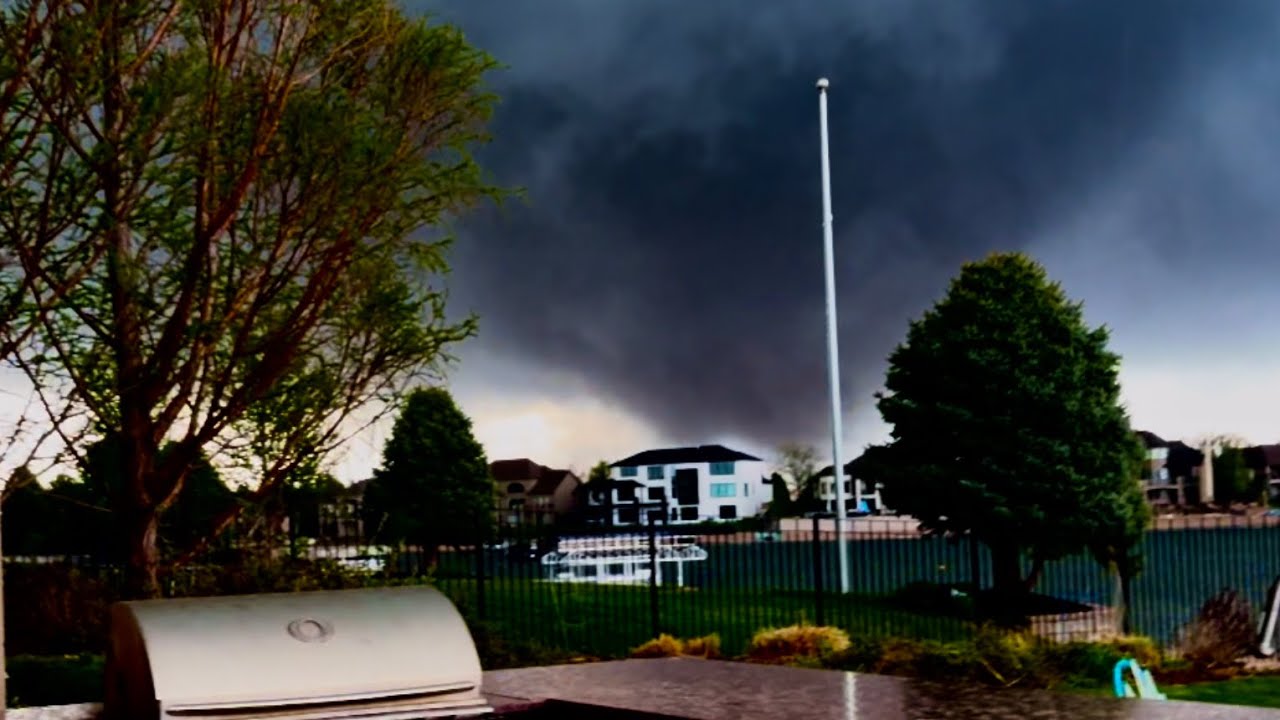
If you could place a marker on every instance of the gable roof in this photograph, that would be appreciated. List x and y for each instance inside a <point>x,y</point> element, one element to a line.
<point>551,480</point>
<point>681,455</point>
<point>853,468</point>
<point>1261,456</point>
<point>1151,440</point>
<point>545,479</point>
<point>516,470</point>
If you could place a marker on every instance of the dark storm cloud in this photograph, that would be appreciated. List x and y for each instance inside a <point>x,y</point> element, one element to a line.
<point>670,252</point>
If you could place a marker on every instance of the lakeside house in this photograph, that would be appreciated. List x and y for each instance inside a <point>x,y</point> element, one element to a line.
<point>1171,474</point>
<point>679,485</point>
<point>532,493</point>
<point>862,493</point>
<point>1264,461</point>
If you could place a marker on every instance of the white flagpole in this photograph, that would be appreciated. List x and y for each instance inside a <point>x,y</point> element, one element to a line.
<point>833,351</point>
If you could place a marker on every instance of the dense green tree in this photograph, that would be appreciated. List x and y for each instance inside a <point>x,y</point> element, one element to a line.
<point>202,497</point>
<point>599,471</point>
<point>222,225</point>
<point>30,516</point>
<point>304,497</point>
<point>1233,480</point>
<point>780,502</point>
<point>434,486</point>
<point>1007,423</point>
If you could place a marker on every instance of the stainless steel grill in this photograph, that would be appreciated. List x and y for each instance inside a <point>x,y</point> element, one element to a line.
<point>381,654</point>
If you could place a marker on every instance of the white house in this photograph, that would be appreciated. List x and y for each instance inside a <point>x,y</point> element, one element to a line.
<point>687,485</point>
<point>860,495</point>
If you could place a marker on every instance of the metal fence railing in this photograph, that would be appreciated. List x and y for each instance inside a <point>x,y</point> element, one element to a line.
<point>596,590</point>
<point>603,591</point>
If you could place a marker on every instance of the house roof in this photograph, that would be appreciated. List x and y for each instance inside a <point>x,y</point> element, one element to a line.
<point>545,479</point>
<point>1260,456</point>
<point>677,456</point>
<point>551,480</point>
<point>516,470</point>
<point>1152,440</point>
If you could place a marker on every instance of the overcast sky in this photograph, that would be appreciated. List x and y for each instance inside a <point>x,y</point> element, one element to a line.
<point>662,284</point>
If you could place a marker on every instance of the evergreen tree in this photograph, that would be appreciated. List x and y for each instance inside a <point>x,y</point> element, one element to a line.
<point>1007,423</point>
<point>433,487</point>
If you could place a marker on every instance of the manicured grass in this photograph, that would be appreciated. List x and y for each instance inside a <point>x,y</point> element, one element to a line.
<point>1259,690</point>
<point>609,620</point>
<point>58,680</point>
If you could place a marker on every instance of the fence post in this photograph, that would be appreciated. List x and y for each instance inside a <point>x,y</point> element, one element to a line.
<point>653,576</point>
<point>819,615</point>
<point>481,539</point>
<point>975,566</point>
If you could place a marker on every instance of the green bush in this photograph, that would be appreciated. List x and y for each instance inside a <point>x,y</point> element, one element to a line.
<point>797,644</point>
<point>58,680</point>
<point>498,652</point>
<point>996,657</point>
<point>55,610</point>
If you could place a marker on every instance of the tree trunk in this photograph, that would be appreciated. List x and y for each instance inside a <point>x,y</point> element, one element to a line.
<point>1006,569</point>
<point>1126,600</point>
<point>141,577</point>
<point>4,690</point>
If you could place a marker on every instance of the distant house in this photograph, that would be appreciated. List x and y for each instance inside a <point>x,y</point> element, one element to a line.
<point>529,492</point>
<point>864,497</point>
<point>680,485</point>
<point>339,517</point>
<point>1172,471</point>
<point>1264,461</point>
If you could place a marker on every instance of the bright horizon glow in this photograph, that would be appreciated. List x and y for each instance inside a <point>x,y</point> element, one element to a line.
<point>574,430</point>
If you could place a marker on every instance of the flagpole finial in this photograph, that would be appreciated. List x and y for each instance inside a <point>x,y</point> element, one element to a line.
<point>823,83</point>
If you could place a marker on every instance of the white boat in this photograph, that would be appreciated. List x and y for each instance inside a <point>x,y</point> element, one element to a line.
<point>622,559</point>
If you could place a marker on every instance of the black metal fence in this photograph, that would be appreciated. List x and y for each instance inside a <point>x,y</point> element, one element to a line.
<point>602,591</point>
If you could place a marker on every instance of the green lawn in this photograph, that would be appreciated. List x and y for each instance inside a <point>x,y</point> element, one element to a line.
<point>609,620</point>
<point>1259,690</point>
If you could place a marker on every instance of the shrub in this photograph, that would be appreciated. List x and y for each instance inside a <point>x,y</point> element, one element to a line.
<point>55,610</point>
<point>58,680</point>
<point>497,652</point>
<point>662,646</point>
<point>665,646</point>
<point>1221,634</point>
<point>707,646</point>
<point>1142,649</point>
<point>995,657</point>
<point>797,643</point>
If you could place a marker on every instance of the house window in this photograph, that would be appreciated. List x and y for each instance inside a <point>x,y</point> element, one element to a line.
<point>629,471</point>
<point>515,489</point>
<point>628,516</point>
<point>627,493</point>
<point>722,468</point>
<point>689,513</point>
<point>657,494</point>
<point>746,489</point>
<point>516,504</point>
<point>723,490</point>
<point>728,512</point>
<point>656,472</point>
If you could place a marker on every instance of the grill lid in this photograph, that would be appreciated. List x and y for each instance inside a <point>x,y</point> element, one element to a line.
<point>370,653</point>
